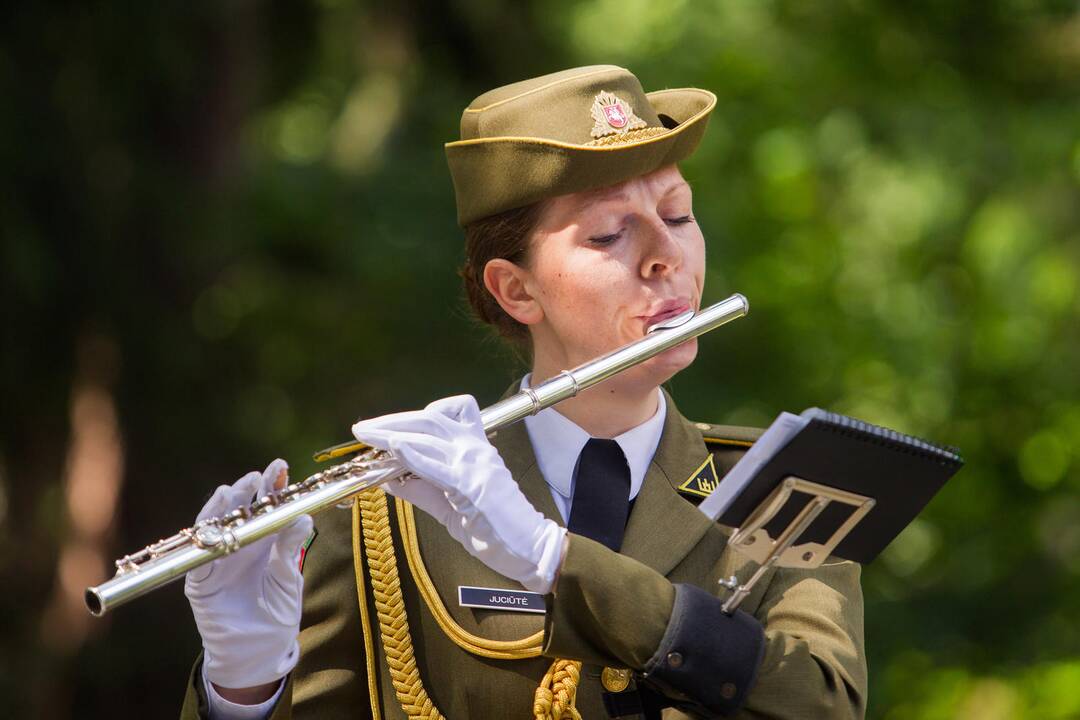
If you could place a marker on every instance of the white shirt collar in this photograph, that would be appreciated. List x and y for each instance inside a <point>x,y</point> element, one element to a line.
<point>557,442</point>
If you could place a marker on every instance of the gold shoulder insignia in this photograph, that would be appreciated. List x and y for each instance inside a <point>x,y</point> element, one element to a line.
<point>703,481</point>
<point>725,444</point>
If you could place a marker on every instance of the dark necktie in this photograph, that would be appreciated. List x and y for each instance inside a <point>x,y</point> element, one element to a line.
<point>601,493</point>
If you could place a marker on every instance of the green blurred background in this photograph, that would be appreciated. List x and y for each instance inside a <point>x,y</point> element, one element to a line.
<point>228,231</point>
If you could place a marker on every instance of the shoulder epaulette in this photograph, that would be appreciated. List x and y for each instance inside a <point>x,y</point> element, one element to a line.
<point>726,444</point>
<point>720,436</point>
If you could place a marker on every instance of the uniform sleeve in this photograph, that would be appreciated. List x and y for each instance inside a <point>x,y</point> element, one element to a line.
<point>330,680</point>
<point>815,662</point>
<point>800,655</point>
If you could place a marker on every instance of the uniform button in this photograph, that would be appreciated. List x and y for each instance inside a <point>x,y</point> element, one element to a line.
<point>728,690</point>
<point>615,680</point>
<point>674,659</point>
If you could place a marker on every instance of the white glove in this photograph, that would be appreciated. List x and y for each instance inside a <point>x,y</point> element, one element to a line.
<point>247,605</point>
<point>464,484</point>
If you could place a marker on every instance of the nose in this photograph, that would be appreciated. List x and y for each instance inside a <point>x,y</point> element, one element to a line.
<point>663,254</point>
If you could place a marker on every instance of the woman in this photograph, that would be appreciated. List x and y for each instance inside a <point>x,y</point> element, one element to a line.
<point>580,235</point>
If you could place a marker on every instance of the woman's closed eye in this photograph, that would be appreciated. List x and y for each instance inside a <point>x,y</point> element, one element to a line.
<point>602,240</point>
<point>679,220</point>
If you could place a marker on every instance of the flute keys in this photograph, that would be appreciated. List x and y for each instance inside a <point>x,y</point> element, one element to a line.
<point>264,504</point>
<point>235,517</point>
<point>126,564</point>
<point>208,536</point>
<point>291,491</point>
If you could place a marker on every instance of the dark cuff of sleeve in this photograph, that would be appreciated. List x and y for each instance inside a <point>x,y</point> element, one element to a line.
<point>707,660</point>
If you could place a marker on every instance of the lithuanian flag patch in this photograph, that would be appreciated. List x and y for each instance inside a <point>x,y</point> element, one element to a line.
<point>307,544</point>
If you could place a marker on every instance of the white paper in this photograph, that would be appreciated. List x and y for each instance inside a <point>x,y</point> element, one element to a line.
<point>779,434</point>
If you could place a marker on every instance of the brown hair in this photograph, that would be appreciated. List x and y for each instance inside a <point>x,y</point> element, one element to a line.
<point>504,235</point>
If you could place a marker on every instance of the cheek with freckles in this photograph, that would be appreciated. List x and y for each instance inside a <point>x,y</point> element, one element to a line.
<point>586,301</point>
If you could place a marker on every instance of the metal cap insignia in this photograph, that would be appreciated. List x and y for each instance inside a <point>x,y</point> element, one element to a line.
<point>613,115</point>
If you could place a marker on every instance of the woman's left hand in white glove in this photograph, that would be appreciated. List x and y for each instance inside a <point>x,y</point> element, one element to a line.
<point>463,483</point>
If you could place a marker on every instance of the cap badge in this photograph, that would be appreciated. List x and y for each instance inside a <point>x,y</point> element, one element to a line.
<point>613,116</point>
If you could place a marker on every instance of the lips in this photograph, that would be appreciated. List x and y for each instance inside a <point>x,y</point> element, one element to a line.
<point>664,311</point>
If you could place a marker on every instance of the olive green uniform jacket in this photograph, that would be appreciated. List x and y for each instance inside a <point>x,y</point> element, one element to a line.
<point>793,650</point>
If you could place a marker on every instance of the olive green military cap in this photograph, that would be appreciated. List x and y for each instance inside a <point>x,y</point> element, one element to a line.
<point>566,132</point>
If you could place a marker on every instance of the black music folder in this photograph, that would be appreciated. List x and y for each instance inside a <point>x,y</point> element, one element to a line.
<point>900,472</point>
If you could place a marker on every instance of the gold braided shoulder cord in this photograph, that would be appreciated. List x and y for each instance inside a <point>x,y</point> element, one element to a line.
<point>365,619</point>
<point>528,647</point>
<point>390,608</point>
<point>555,696</point>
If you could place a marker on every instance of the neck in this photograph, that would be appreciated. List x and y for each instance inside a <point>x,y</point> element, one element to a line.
<point>605,410</point>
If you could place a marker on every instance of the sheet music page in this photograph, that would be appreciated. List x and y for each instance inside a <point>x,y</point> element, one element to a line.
<point>785,427</point>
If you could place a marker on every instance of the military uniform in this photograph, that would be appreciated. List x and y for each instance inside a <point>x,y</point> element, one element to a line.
<point>383,634</point>
<point>647,617</point>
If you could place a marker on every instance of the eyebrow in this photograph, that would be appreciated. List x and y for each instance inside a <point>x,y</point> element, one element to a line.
<point>602,197</point>
<point>597,198</point>
<point>679,185</point>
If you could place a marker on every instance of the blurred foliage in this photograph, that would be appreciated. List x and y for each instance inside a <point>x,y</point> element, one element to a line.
<point>233,222</point>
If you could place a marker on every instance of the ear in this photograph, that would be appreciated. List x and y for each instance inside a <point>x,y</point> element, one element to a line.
<point>509,285</point>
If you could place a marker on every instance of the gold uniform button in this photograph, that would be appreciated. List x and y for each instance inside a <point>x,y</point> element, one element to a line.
<point>727,691</point>
<point>615,680</point>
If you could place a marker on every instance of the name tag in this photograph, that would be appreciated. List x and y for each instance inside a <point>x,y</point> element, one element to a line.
<point>497,599</point>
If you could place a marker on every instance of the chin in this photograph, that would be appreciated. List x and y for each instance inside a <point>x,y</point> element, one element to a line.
<point>658,370</point>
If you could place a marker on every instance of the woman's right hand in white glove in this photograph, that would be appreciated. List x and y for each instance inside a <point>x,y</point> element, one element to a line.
<point>247,605</point>
<point>464,484</point>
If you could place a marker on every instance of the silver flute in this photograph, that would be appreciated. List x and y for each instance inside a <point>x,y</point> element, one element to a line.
<point>169,559</point>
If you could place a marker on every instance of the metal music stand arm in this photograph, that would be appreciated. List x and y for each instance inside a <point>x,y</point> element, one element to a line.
<point>753,540</point>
